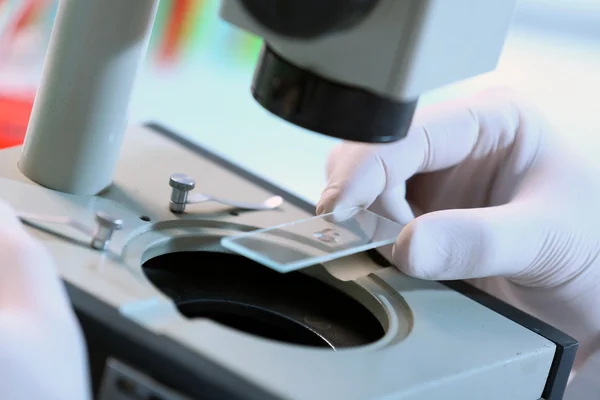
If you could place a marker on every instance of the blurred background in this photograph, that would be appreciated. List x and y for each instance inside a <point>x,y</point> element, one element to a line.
<point>196,82</point>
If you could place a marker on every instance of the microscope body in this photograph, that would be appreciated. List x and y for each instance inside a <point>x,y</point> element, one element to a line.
<point>359,76</point>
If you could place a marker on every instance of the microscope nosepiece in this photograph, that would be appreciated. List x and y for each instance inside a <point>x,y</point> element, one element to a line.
<point>307,19</point>
<point>327,107</point>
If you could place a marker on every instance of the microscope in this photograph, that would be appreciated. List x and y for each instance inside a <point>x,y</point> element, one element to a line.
<point>168,311</point>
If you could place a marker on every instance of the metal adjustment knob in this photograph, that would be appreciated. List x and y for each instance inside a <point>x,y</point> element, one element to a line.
<point>181,186</point>
<point>107,225</point>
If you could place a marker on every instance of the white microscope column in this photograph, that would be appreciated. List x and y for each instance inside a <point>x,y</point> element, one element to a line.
<point>80,112</point>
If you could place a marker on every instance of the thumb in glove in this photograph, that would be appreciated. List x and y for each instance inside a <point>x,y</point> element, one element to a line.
<point>468,243</point>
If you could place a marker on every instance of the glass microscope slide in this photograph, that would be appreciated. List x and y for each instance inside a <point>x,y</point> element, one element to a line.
<point>315,240</point>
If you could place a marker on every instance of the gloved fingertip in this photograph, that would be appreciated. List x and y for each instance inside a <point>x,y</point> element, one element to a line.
<point>325,208</point>
<point>334,201</point>
<point>319,209</point>
<point>421,251</point>
<point>328,200</point>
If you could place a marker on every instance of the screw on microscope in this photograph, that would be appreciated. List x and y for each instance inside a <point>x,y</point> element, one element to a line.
<point>107,225</point>
<point>181,186</point>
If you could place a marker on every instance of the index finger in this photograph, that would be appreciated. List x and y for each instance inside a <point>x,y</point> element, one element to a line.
<point>440,137</point>
<point>444,135</point>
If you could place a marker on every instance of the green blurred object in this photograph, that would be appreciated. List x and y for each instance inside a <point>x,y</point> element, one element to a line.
<point>187,30</point>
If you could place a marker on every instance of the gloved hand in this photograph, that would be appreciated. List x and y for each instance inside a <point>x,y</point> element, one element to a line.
<point>497,196</point>
<point>42,351</point>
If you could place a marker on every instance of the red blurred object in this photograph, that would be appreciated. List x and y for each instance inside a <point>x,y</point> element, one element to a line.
<point>14,118</point>
<point>171,46</point>
<point>27,14</point>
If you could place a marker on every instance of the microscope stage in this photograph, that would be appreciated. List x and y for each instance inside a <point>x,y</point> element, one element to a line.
<point>349,329</point>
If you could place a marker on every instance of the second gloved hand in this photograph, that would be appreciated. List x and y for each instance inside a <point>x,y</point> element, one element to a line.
<point>42,350</point>
<point>488,192</point>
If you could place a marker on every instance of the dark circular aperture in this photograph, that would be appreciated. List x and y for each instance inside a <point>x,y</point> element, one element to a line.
<point>249,297</point>
<point>308,18</point>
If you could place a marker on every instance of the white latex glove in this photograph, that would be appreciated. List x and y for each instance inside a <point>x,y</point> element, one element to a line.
<point>496,195</point>
<point>42,350</point>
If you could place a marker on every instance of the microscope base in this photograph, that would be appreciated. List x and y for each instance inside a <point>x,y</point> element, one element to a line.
<point>434,340</point>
